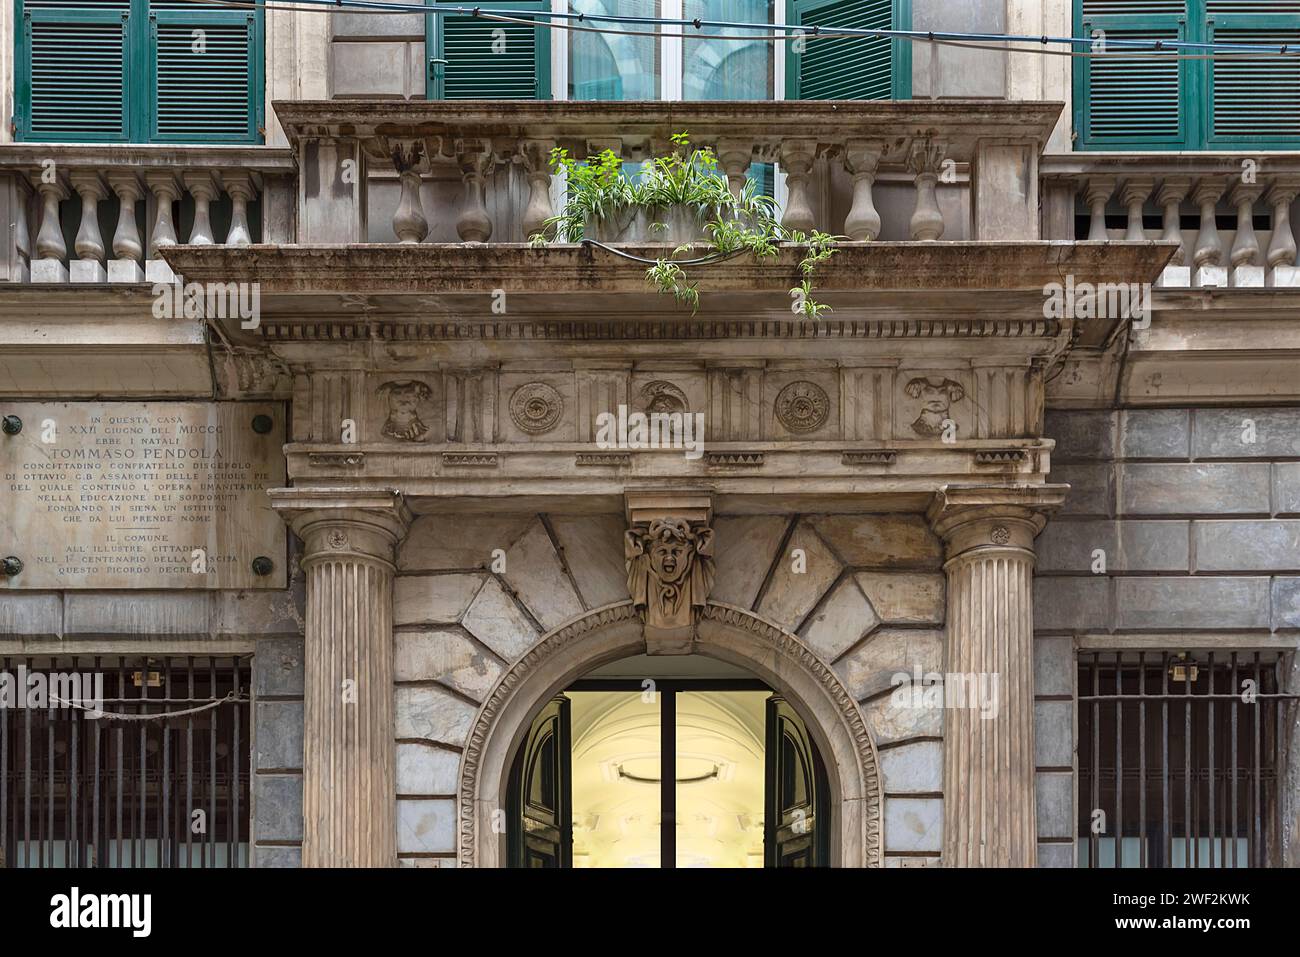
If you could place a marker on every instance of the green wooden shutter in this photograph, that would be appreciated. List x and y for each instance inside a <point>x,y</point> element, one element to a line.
<point>206,76</point>
<point>850,68</point>
<point>1254,100</point>
<point>1139,100</point>
<point>474,58</point>
<point>72,71</point>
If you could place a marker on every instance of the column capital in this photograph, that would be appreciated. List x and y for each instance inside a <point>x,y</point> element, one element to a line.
<point>968,517</point>
<point>344,523</point>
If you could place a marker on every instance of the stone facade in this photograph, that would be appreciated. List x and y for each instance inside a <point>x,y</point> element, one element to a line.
<point>938,477</point>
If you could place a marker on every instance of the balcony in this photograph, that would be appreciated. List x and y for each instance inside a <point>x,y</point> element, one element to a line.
<point>1231,214</point>
<point>96,214</point>
<point>422,172</point>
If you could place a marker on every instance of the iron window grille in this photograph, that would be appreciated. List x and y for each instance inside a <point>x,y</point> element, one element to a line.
<point>160,780</point>
<point>1180,759</point>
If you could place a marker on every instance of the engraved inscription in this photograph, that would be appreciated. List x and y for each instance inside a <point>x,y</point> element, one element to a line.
<point>143,495</point>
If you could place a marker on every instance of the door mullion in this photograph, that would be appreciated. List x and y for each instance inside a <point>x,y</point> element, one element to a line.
<point>667,778</point>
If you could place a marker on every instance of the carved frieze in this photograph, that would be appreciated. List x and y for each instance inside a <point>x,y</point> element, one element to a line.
<point>536,408</point>
<point>404,421</point>
<point>803,406</point>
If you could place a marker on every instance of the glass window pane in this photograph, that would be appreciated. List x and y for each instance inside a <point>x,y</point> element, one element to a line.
<point>606,66</point>
<point>716,69</point>
<point>720,769</point>
<point>616,749</point>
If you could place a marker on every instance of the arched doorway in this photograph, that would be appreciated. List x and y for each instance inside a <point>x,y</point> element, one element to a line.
<point>668,762</point>
<point>734,636</point>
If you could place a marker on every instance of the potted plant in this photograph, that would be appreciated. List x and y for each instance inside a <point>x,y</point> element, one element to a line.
<point>684,199</point>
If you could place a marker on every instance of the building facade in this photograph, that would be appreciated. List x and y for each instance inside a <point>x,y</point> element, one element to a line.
<point>337,488</point>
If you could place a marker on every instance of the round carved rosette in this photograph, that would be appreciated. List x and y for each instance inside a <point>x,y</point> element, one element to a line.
<point>1000,535</point>
<point>803,406</point>
<point>536,408</point>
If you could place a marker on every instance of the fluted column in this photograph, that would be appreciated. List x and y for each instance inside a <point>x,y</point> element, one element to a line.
<point>988,737</point>
<point>349,776</point>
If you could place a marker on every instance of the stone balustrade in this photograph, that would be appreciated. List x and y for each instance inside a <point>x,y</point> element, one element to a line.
<point>94,214</point>
<point>1230,213</point>
<point>468,171</point>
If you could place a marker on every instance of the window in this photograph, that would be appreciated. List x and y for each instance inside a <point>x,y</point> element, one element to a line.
<point>1154,101</point>
<point>93,772</point>
<point>850,68</point>
<point>1179,759</point>
<point>139,71</point>
<point>480,58</point>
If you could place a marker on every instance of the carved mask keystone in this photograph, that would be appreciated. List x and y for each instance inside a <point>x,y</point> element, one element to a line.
<point>670,572</point>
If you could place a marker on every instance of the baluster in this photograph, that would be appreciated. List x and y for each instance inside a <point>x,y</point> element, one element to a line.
<point>127,246</point>
<point>1247,268</point>
<point>1207,256</point>
<point>1097,192</point>
<point>797,159</point>
<point>927,219</point>
<point>1285,269</point>
<point>89,244</point>
<point>409,223</point>
<point>239,185</point>
<point>735,157</point>
<point>204,190</point>
<point>166,191</point>
<point>861,160</point>
<point>51,249</point>
<point>536,158</point>
<point>1133,194</point>
<point>1173,190</point>
<point>475,159</point>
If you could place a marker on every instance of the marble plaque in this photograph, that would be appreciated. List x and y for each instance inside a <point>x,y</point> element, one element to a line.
<point>142,494</point>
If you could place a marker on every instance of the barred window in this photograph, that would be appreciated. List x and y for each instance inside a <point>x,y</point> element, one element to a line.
<point>1179,758</point>
<point>124,762</point>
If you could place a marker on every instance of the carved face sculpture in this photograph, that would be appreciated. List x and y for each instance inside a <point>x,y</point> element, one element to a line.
<point>937,397</point>
<point>670,558</point>
<point>404,400</point>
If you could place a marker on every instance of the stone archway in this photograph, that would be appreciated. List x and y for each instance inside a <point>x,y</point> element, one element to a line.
<point>725,632</point>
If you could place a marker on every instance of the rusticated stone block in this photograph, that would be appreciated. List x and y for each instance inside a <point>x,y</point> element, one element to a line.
<point>1081,435</point>
<point>435,599</point>
<point>792,592</point>
<point>278,667</point>
<point>839,622</point>
<point>913,768</point>
<point>447,656</point>
<point>1247,433</point>
<point>745,546</point>
<point>1126,546</point>
<point>1092,489</point>
<point>426,826</point>
<point>277,807</point>
<point>870,668</point>
<point>279,735</point>
<point>424,770</point>
<point>1155,434</point>
<point>1161,604</point>
<point>1071,604</point>
<point>1053,665</point>
<point>881,541</point>
<point>1055,804</point>
<point>432,714</point>
<point>533,570</point>
<point>1247,546</point>
<point>1237,488</point>
<point>913,824</point>
<point>1053,734</point>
